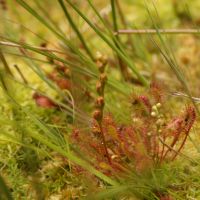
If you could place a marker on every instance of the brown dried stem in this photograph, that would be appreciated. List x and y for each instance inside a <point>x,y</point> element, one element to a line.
<point>155,31</point>
<point>101,62</point>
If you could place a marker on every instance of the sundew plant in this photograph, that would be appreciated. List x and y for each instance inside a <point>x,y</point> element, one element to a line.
<point>99,99</point>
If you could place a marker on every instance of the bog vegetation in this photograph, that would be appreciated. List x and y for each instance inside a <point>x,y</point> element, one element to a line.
<point>99,99</point>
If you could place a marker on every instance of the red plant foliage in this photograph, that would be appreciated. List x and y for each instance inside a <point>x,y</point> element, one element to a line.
<point>44,101</point>
<point>138,146</point>
<point>61,76</point>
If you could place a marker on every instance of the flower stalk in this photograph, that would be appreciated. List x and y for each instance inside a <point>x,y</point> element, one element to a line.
<point>101,62</point>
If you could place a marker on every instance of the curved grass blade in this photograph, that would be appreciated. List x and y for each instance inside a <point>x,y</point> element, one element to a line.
<point>171,59</point>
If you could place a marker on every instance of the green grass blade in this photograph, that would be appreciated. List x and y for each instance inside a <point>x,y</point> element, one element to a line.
<point>171,60</point>
<point>46,14</point>
<point>114,17</point>
<point>109,42</point>
<point>74,27</point>
<point>4,191</point>
<point>56,33</point>
<point>76,67</point>
<point>44,140</point>
<point>7,68</point>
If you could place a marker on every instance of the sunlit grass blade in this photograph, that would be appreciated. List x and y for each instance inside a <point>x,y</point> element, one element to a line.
<point>47,17</point>
<point>119,45</point>
<point>170,59</point>
<point>75,67</point>
<point>110,43</point>
<point>123,67</point>
<point>83,60</point>
<point>73,48</point>
<point>74,27</point>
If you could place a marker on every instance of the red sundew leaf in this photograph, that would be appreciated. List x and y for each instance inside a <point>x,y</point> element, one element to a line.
<point>145,101</point>
<point>75,136</point>
<point>61,81</point>
<point>110,129</point>
<point>189,118</point>
<point>63,84</point>
<point>125,144</point>
<point>157,92</point>
<point>97,147</point>
<point>61,68</point>
<point>53,75</point>
<point>182,124</point>
<point>137,146</point>
<point>175,126</point>
<point>178,129</point>
<point>140,144</point>
<point>43,101</point>
<point>119,167</point>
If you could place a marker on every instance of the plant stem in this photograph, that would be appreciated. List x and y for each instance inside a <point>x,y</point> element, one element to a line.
<point>12,44</point>
<point>155,31</point>
<point>182,145</point>
<point>21,74</point>
<point>122,65</point>
<point>124,22</point>
<point>5,63</point>
<point>104,143</point>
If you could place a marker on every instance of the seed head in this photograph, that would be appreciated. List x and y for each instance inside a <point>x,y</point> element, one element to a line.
<point>100,102</point>
<point>98,56</point>
<point>100,66</point>
<point>97,115</point>
<point>99,88</point>
<point>103,78</point>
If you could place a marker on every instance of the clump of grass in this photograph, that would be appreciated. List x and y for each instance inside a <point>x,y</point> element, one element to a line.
<point>147,144</point>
